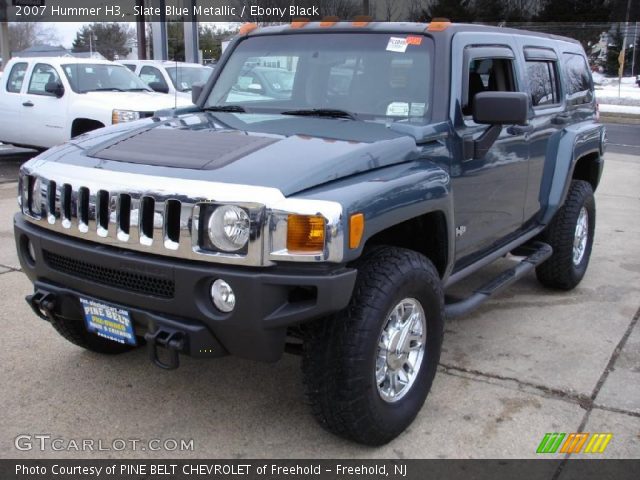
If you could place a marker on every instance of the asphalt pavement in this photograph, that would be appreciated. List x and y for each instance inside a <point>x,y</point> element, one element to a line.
<point>528,362</point>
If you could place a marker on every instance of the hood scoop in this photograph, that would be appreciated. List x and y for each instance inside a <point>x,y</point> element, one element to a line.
<point>180,148</point>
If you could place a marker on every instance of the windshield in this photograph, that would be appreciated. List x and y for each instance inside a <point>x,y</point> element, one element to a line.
<point>89,77</point>
<point>183,78</point>
<point>370,75</point>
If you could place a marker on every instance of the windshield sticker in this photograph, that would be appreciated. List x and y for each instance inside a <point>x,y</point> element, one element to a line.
<point>414,40</point>
<point>417,110</point>
<point>398,109</point>
<point>397,44</point>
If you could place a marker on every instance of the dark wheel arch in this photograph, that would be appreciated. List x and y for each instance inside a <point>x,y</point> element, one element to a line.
<point>84,125</point>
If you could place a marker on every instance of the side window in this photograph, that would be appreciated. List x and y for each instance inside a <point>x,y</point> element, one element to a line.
<point>130,67</point>
<point>488,75</point>
<point>151,74</point>
<point>543,83</point>
<point>578,79</point>
<point>41,75</point>
<point>16,78</point>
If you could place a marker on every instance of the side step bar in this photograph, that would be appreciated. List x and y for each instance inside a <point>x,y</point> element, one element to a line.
<point>539,253</point>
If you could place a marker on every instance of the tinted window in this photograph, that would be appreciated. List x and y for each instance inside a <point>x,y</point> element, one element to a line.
<point>543,83</point>
<point>41,75</point>
<point>578,77</point>
<point>152,75</point>
<point>16,78</point>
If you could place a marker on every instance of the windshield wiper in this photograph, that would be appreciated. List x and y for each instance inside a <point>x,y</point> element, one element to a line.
<point>225,108</point>
<point>139,89</point>
<point>106,89</point>
<point>322,112</point>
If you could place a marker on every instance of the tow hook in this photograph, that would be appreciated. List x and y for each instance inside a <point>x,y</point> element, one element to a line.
<point>43,304</point>
<point>172,342</point>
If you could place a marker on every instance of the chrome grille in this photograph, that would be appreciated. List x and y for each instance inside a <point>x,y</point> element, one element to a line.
<point>162,215</point>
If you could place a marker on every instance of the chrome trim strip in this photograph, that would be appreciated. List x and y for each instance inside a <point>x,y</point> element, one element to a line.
<point>268,210</point>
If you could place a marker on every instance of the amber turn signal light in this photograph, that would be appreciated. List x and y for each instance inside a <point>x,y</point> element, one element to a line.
<point>356,229</point>
<point>305,233</point>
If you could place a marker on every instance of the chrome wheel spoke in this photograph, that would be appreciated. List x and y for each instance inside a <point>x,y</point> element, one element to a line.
<point>581,236</point>
<point>400,350</point>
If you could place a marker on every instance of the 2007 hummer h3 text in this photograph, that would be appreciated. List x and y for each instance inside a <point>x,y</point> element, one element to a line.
<point>331,182</point>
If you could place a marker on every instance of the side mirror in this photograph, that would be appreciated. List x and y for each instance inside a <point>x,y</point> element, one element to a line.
<point>159,87</point>
<point>501,108</point>
<point>196,90</point>
<point>54,88</point>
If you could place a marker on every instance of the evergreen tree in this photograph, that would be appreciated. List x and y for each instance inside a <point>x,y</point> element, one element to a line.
<point>109,39</point>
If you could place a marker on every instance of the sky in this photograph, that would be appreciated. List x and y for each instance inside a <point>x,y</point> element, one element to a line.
<point>66,31</point>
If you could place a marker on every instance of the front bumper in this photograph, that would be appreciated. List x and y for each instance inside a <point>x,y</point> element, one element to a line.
<point>174,294</point>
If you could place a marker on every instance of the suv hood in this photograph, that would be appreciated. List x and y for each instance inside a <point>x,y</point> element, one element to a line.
<point>285,152</point>
<point>137,101</point>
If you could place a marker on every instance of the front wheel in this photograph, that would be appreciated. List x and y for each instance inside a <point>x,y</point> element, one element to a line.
<point>570,234</point>
<point>368,369</point>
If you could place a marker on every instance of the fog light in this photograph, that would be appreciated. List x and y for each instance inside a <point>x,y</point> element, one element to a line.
<point>222,295</point>
<point>32,251</point>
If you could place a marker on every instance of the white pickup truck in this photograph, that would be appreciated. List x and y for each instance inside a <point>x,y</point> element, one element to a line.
<point>174,78</point>
<point>46,101</point>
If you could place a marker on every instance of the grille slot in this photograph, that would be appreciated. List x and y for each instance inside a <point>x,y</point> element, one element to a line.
<point>116,278</point>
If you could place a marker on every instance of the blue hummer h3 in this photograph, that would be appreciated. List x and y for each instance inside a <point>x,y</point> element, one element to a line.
<point>329,185</point>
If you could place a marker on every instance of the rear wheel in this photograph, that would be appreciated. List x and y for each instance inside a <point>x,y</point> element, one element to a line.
<point>570,233</point>
<point>368,369</point>
<point>75,332</point>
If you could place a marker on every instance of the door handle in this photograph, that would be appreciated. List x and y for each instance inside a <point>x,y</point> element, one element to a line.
<point>28,103</point>
<point>519,129</point>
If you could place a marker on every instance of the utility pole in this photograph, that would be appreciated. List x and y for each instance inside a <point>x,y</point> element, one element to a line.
<point>141,33</point>
<point>633,57</point>
<point>4,34</point>
<point>623,52</point>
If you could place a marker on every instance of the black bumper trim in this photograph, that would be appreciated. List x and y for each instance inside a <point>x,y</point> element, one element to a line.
<point>268,300</point>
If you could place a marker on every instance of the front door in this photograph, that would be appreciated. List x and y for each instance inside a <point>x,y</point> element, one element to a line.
<point>43,112</point>
<point>489,190</point>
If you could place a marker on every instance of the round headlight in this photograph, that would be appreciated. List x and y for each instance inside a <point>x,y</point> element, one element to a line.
<point>229,228</point>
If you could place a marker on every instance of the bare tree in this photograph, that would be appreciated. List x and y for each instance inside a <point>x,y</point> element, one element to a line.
<point>27,34</point>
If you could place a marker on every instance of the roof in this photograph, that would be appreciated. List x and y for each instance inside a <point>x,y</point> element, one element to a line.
<point>43,51</point>
<point>164,63</point>
<point>67,60</point>
<point>402,27</point>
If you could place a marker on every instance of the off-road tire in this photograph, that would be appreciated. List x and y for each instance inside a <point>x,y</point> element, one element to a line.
<point>559,271</point>
<point>75,332</point>
<point>340,352</point>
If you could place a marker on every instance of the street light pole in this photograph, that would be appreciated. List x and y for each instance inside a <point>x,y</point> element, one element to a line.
<point>5,49</point>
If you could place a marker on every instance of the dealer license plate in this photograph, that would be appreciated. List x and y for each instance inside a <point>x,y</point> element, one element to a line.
<point>108,321</point>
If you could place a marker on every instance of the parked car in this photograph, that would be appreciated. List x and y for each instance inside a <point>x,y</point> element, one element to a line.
<point>328,221</point>
<point>174,78</point>
<point>46,101</point>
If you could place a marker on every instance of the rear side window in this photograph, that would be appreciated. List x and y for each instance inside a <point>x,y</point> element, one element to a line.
<point>578,78</point>
<point>42,74</point>
<point>16,78</point>
<point>543,83</point>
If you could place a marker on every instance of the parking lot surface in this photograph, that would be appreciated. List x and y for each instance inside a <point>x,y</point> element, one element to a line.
<point>528,362</point>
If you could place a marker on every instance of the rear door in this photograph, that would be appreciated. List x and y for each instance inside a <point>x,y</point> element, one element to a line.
<point>544,87</point>
<point>44,114</point>
<point>489,192</point>
<point>11,108</point>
